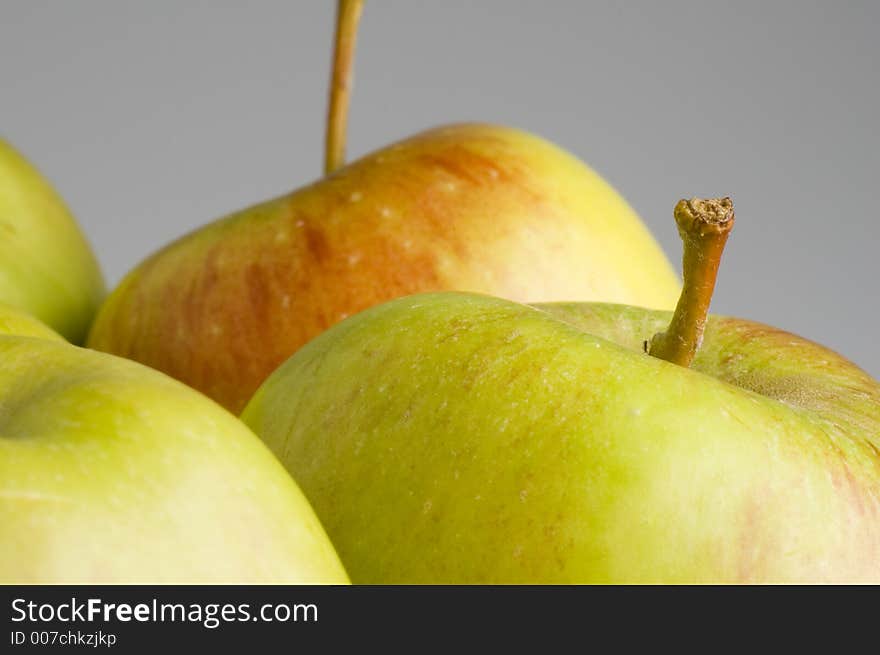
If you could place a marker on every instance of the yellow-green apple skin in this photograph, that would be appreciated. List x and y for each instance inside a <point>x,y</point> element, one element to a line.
<point>14,321</point>
<point>467,207</point>
<point>456,438</point>
<point>46,265</point>
<point>114,473</point>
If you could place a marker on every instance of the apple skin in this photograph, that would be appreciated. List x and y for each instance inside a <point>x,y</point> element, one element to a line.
<point>467,207</point>
<point>456,438</point>
<point>47,268</point>
<point>115,473</point>
<point>14,321</point>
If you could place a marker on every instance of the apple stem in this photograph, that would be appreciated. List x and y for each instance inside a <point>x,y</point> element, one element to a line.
<point>348,14</point>
<point>703,226</point>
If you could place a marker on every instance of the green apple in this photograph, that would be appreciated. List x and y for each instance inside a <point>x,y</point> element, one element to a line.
<point>14,321</point>
<point>46,266</point>
<point>459,438</point>
<point>114,473</point>
<point>471,207</point>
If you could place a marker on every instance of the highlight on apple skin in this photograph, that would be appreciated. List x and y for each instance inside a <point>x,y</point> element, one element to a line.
<point>466,207</point>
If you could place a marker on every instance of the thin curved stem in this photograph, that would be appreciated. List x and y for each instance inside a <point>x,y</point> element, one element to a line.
<point>348,14</point>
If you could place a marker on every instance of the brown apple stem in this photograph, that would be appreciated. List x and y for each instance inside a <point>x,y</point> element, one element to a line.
<point>703,226</point>
<point>348,14</point>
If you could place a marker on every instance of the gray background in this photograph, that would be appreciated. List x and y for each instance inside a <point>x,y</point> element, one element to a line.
<point>155,117</point>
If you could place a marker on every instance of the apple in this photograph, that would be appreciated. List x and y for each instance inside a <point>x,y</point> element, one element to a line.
<point>115,473</point>
<point>470,207</point>
<point>46,265</point>
<point>14,321</point>
<point>461,438</point>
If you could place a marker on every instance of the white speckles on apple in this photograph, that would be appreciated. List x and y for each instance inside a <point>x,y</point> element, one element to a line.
<point>215,329</point>
<point>523,494</point>
<point>635,411</point>
<point>356,196</point>
<point>285,301</point>
<point>426,508</point>
<point>300,223</point>
<point>354,258</point>
<point>281,236</point>
<point>407,245</point>
<point>517,551</point>
<point>513,336</point>
<point>493,173</point>
<point>733,359</point>
<point>449,187</point>
<point>385,212</point>
<point>342,316</point>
